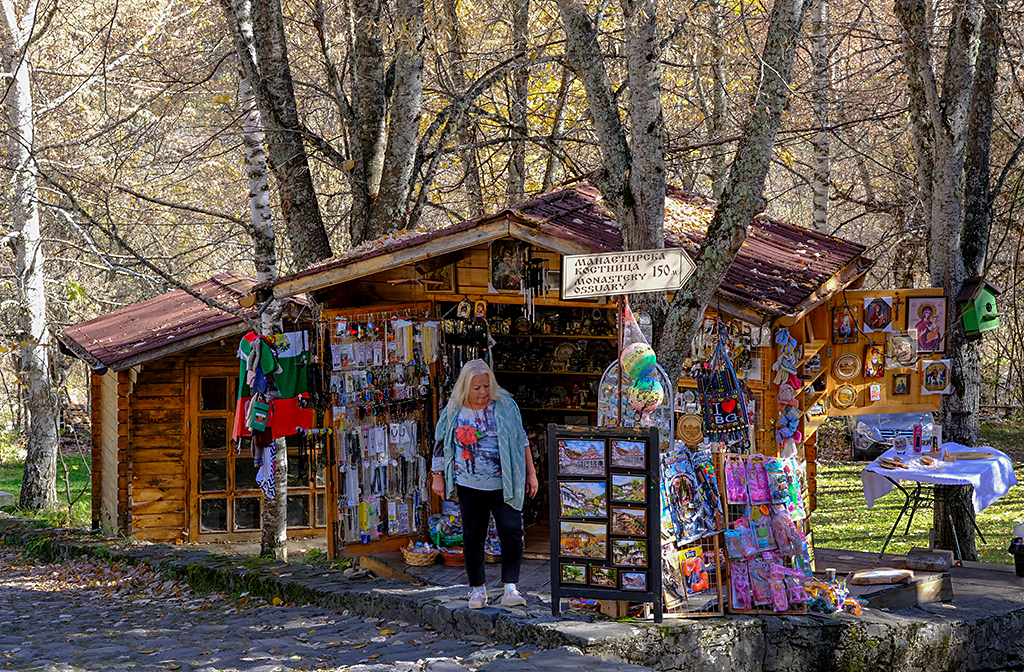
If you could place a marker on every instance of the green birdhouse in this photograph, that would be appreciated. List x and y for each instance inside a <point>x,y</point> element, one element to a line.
<point>977,303</point>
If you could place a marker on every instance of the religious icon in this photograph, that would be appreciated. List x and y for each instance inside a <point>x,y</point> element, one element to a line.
<point>440,281</point>
<point>508,259</point>
<point>874,362</point>
<point>901,348</point>
<point>877,314</point>
<point>927,314</point>
<point>934,376</point>
<point>900,384</point>
<point>845,326</point>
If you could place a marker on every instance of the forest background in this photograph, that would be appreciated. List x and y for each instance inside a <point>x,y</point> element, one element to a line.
<point>138,163</point>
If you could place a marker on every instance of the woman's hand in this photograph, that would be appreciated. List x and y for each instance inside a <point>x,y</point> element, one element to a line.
<point>437,485</point>
<point>531,484</point>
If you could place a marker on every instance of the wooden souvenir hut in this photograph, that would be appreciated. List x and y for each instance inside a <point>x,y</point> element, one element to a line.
<point>550,353</point>
<point>163,386</point>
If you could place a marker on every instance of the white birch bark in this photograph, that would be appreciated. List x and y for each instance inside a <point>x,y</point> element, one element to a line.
<point>821,80</point>
<point>38,489</point>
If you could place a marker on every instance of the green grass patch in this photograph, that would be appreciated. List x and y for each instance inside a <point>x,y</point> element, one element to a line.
<point>77,513</point>
<point>843,520</point>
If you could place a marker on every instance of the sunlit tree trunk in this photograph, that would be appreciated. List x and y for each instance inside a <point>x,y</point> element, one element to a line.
<point>820,86</point>
<point>467,135</point>
<point>557,128</point>
<point>518,106</point>
<point>38,488</point>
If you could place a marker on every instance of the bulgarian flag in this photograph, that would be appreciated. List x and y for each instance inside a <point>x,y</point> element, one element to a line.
<point>292,355</point>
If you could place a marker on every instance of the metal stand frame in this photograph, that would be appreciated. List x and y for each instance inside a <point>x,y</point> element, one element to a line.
<point>918,497</point>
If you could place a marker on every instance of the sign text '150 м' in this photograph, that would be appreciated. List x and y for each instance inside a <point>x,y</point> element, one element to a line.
<point>587,275</point>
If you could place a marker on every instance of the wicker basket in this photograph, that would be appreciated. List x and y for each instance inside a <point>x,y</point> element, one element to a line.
<point>492,557</point>
<point>453,556</point>
<point>419,559</point>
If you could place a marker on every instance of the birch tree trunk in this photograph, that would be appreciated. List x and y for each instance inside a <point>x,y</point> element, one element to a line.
<point>264,62</point>
<point>719,99</point>
<point>38,489</point>
<point>557,128</point>
<point>820,86</point>
<point>518,107</point>
<point>274,535</point>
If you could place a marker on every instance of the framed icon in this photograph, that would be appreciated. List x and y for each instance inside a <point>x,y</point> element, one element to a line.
<point>604,577</point>
<point>629,521</point>
<point>578,499</point>
<point>877,314</point>
<point>935,376</point>
<point>845,324</point>
<point>573,573</point>
<point>874,361</point>
<point>626,488</point>
<point>440,280</point>
<point>900,349</point>
<point>628,454</point>
<point>507,263</point>
<point>583,540</point>
<point>581,457</point>
<point>927,315</point>
<point>900,384</point>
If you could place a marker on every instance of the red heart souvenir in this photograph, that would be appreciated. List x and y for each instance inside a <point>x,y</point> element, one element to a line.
<point>728,406</point>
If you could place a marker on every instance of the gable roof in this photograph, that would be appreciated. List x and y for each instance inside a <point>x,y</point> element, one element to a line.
<point>162,325</point>
<point>778,270</point>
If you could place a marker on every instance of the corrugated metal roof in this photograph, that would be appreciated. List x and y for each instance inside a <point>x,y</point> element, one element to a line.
<point>161,321</point>
<point>777,268</point>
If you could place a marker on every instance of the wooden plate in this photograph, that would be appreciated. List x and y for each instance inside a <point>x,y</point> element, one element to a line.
<point>689,428</point>
<point>846,366</point>
<point>845,396</point>
<point>972,455</point>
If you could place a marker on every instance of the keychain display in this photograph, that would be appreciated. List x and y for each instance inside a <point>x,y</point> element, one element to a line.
<point>380,393</point>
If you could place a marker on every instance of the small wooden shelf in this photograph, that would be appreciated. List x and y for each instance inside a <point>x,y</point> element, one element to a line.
<point>807,383</point>
<point>561,336</point>
<point>550,373</point>
<point>811,348</point>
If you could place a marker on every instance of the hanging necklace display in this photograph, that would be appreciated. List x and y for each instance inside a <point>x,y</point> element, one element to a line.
<point>723,408</point>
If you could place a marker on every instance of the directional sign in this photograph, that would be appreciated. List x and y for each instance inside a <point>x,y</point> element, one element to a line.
<point>587,275</point>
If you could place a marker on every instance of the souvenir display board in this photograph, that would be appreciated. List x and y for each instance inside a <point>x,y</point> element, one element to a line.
<point>382,398</point>
<point>768,555</point>
<point>605,515</point>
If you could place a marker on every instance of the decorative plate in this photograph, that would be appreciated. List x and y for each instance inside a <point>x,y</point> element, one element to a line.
<point>523,325</point>
<point>564,350</point>
<point>845,395</point>
<point>846,366</point>
<point>689,429</point>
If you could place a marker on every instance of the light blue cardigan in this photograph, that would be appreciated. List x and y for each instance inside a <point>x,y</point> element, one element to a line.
<point>511,450</point>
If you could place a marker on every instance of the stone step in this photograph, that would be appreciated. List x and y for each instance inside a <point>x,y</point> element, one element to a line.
<point>7,499</point>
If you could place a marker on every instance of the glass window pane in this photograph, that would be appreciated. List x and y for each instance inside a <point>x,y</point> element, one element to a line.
<point>213,394</point>
<point>213,475</point>
<point>298,510</point>
<point>213,435</point>
<point>320,476</point>
<point>214,515</point>
<point>321,510</point>
<point>247,513</point>
<point>298,471</point>
<point>245,472</point>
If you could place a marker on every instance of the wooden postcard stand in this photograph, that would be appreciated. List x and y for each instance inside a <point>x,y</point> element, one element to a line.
<point>605,515</point>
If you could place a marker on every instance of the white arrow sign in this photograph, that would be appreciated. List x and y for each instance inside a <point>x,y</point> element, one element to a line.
<point>587,275</point>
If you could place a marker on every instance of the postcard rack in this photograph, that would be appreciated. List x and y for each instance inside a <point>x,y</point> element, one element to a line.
<point>605,506</point>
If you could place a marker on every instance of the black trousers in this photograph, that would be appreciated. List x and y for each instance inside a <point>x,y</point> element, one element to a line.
<point>476,507</point>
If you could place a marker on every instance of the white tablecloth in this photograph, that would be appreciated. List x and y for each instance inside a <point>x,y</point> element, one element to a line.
<point>991,477</point>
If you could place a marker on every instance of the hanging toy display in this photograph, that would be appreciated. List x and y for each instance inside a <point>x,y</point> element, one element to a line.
<point>645,395</point>
<point>638,360</point>
<point>722,404</point>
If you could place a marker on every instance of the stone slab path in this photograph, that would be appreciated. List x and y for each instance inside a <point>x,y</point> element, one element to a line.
<point>88,614</point>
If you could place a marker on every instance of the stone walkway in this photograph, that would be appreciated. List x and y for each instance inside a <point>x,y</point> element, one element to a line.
<point>85,614</point>
<point>983,632</point>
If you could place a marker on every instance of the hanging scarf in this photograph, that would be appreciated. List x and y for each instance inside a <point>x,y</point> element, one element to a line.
<point>723,409</point>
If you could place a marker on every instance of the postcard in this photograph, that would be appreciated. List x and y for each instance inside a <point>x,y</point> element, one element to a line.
<point>583,500</point>
<point>581,457</point>
<point>634,581</point>
<point>629,552</point>
<point>574,573</point>
<point>605,577</point>
<point>629,454</point>
<point>628,521</point>
<point>629,488</point>
<point>583,540</point>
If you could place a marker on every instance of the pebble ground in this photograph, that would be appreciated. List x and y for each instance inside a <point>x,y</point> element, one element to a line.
<point>90,615</point>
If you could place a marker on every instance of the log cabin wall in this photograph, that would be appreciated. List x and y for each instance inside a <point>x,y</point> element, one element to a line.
<point>158,464</point>
<point>110,487</point>
<point>96,431</point>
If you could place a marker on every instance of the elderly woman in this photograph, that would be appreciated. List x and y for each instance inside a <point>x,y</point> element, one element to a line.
<point>481,449</point>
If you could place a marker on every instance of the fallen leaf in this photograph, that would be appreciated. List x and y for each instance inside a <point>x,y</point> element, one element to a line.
<point>276,601</point>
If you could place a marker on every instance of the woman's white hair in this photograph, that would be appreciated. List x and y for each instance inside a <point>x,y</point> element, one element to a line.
<point>474,367</point>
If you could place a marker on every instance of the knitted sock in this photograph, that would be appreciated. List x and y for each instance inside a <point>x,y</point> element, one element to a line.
<point>509,587</point>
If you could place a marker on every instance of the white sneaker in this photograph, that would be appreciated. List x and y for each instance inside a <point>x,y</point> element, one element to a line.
<point>512,598</point>
<point>478,598</point>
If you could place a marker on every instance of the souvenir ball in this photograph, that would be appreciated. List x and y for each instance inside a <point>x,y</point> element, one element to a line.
<point>638,360</point>
<point>645,394</point>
